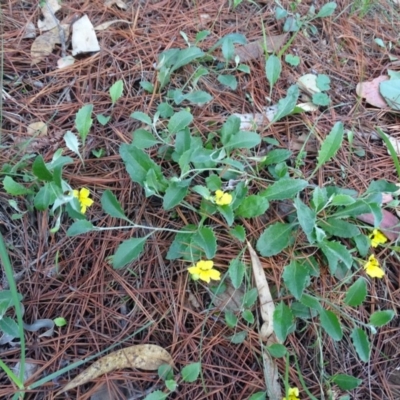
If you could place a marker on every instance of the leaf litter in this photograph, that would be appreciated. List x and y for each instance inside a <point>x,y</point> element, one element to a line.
<point>143,356</point>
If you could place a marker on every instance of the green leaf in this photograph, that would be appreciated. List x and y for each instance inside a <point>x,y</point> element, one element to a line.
<point>60,322</point>
<point>277,156</point>
<point>201,35</point>
<point>346,382</point>
<point>142,117</point>
<point>230,127</point>
<point>83,121</point>
<point>180,247</point>
<point>213,182</point>
<point>342,200</point>
<point>175,193</point>
<point>320,199</point>
<point>143,139</point>
<point>40,170</point>
<point>228,49</point>
<point>98,153</point>
<point>321,99</point>
<point>284,189</point>
<point>227,213</point>
<point>179,121</point>
<point>191,372</point>
<point>147,86</point>
<point>362,244</point>
<point>116,91</point>
<point>296,277</point>
<point>390,91</point>
<point>287,104</point>
<point>14,188</point>
<point>252,206</point>
<point>361,344</point>
<point>238,337</point>
<point>277,350</point>
<point>323,82</point>
<point>157,395</point>
<point>228,80</point>
<point>283,321</point>
<point>340,228</point>
<point>306,217</point>
<point>335,252</point>
<point>238,232</point>
<point>357,293</point>
<point>280,13</point>
<point>292,60</point>
<point>72,142</point>
<point>330,323</point>
<point>205,239</point>
<point>353,210</point>
<point>45,196</point>
<point>380,318</point>
<point>236,272</point>
<point>274,239</point>
<point>311,302</point>
<point>111,205</point>
<point>171,385</point>
<point>138,163</point>
<point>186,56</point>
<point>327,10</point>
<point>165,110</point>
<point>80,227</point>
<point>248,316</point>
<point>128,251</point>
<point>301,311</point>
<point>243,140</point>
<point>250,297</point>
<point>273,69</point>
<point>198,97</point>
<point>243,68</point>
<point>231,319</point>
<point>258,396</point>
<point>9,326</point>
<point>102,119</point>
<point>331,145</point>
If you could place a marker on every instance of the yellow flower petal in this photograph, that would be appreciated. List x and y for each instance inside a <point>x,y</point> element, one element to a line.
<point>377,238</point>
<point>372,268</point>
<point>293,394</point>
<point>222,199</point>
<point>204,270</point>
<point>83,198</point>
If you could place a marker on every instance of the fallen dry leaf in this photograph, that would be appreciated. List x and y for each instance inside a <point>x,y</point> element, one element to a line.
<point>65,62</point>
<point>84,38</point>
<point>370,91</point>
<point>255,49</point>
<point>267,306</point>
<point>253,121</point>
<point>144,356</point>
<point>29,31</point>
<point>308,83</point>
<point>44,44</point>
<point>49,21</point>
<point>390,225</point>
<point>106,25</point>
<point>118,3</point>
<point>229,300</point>
<point>395,143</point>
<point>271,376</point>
<point>37,129</point>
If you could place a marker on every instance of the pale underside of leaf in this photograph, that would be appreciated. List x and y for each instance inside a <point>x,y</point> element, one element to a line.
<point>144,356</point>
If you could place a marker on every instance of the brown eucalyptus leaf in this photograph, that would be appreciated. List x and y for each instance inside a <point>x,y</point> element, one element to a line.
<point>144,356</point>
<point>271,375</point>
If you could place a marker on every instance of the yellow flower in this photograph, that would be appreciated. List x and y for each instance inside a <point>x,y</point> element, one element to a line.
<point>293,394</point>
<point>377,238</point>
<point>222,199</point>
<point>204,270</point>
<point>83,197</point>
<point>372,268</point>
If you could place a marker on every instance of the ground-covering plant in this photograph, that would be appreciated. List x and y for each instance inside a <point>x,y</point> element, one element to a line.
<point>224,179</point>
